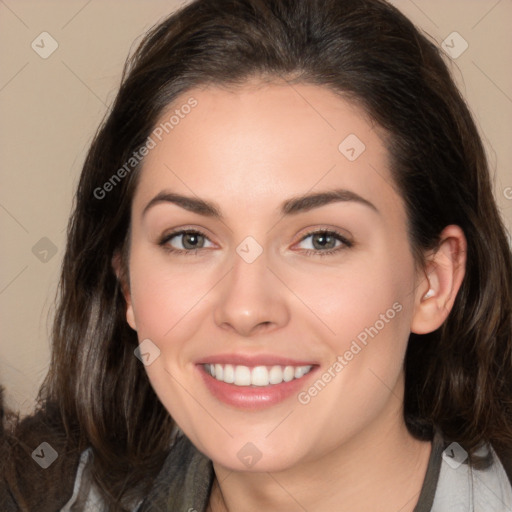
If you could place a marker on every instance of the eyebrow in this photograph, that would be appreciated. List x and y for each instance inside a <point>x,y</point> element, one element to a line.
<point>291,206</point>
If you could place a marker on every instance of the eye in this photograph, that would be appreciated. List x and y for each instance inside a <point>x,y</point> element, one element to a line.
<point>185,241</point>
<point>189,241</point>
<point>325,242</point>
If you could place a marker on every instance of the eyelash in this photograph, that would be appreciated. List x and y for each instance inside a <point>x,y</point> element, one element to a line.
<point>309,252</point>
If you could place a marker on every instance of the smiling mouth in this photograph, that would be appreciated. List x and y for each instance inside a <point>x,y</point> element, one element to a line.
<point>240,375</point>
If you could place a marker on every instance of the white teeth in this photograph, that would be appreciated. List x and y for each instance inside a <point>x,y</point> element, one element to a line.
<point>289,373</point>
<point>276,375</point>
<point>259,376</point>
<point>240,375</point>
<point>229,374</point>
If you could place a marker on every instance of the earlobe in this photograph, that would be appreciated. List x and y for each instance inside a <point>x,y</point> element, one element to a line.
<point>435,294</point>
<point>130,317</point>
<point>122,278</point>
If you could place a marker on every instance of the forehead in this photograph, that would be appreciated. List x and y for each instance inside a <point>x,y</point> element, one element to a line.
<point>256,144</point>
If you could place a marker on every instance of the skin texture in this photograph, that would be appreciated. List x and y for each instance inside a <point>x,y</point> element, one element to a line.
<point>248,150</point>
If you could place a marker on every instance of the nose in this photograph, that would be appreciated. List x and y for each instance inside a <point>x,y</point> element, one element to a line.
<point>252,299</point>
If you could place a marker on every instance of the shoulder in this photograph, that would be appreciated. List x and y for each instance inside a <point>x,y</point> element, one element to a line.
<point>85,495</point>
<point>185,479</point>
<point>486,486</point>
<point>505,457</point>
<point>34,455</point>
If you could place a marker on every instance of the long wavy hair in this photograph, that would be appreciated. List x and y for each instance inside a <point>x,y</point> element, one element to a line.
<point>458,378</point>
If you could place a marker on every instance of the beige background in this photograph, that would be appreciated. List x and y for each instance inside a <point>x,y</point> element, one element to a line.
<point>50,108</point>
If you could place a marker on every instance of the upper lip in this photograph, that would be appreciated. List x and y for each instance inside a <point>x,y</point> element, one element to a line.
<point>254,360</point>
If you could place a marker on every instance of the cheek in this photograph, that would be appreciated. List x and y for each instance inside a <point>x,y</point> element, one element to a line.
<point>358,301</point>
<point>166,300</point>
<point>369,311</point>
<point>164,296</point>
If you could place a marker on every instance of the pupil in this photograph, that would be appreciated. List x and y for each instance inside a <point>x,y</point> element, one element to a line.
<point>323,240</point>
<point>187,240</point>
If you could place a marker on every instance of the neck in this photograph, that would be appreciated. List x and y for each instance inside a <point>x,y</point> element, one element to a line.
<point>381,468</point>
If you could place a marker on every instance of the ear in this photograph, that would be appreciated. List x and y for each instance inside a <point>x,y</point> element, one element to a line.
<point>120,272</point>
<point>436,292</point>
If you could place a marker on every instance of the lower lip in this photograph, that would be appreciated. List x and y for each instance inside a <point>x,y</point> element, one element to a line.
<point>253,397</point>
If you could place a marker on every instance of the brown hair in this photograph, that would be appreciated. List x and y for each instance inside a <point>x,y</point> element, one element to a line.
<point>458,378</point>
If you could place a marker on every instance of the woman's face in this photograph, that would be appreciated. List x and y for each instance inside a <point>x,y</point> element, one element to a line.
<point>276,279</point>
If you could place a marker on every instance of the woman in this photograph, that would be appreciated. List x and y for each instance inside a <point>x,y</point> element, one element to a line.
<point>286,284</point>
